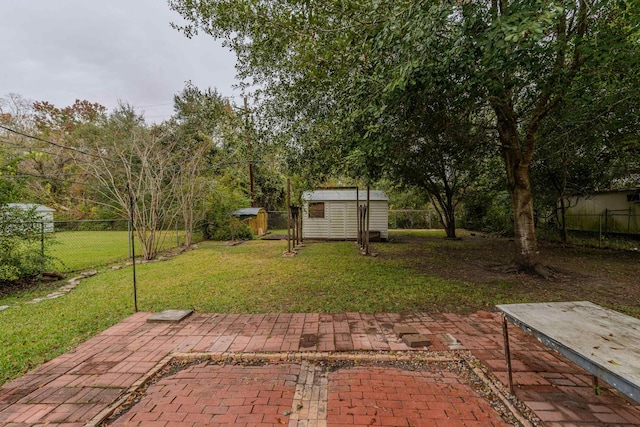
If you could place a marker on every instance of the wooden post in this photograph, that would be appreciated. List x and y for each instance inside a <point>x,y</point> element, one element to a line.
<point>251,193</point>
<point>368,214</point>
<point>358,237</point>
<point>288,215</point>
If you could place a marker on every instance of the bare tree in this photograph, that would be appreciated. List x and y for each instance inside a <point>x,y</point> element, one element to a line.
<point>136,164</point>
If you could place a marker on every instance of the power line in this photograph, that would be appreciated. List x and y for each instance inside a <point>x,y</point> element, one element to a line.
<point>52,178</point>
<point>31,151</point>
<point>55,144</point>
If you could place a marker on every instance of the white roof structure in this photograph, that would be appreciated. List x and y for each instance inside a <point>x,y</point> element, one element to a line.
<point>343,195</point>
<point>27,206</point>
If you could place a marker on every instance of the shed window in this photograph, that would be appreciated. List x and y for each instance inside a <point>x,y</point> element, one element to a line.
<point>316,210</point>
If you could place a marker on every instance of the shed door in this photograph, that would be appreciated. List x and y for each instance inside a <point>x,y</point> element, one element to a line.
<point>337,227</point>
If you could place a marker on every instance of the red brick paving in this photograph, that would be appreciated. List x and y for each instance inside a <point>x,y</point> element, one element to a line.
<point>366,396</point>
<point>74,388</point>
<point>211,394</point>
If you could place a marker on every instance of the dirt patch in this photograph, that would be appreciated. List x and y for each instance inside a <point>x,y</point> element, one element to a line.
<point>604,276</point>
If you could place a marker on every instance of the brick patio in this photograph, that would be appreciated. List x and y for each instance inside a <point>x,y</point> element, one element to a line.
<point>85,386</point>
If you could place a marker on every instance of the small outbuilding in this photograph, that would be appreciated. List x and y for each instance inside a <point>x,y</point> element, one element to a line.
<point>333,214</point>
<point>255,217</point>
<point>616,211</point>
<point>45,213</point>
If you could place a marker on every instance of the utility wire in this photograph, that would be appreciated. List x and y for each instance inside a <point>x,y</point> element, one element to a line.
<point>29,149</point>
<point>55,144</point>
<point>52,178</point>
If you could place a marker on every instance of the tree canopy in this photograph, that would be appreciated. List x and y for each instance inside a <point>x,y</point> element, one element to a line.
<point>339,76</point>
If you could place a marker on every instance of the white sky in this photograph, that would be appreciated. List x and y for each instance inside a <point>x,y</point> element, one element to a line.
<point>104,51</point>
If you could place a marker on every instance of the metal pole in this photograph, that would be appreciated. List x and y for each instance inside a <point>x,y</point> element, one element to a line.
<point>42,237</point>
<point>599,230</point>
<point>507,353</point>
<point>177,237</point>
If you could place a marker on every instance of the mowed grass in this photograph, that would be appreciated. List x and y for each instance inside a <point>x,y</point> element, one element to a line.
<point>78,250</point>
<point>252,278</point>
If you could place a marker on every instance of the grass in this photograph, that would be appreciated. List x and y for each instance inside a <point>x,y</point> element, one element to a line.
<point>251,278</point>
<point>79,250</point>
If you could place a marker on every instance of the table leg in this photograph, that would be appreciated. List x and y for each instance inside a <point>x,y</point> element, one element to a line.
<point>507,353</point>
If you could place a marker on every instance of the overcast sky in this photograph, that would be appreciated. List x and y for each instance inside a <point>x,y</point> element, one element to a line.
<point>105,51</point>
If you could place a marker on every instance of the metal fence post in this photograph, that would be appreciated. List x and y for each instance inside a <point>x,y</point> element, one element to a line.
<point>42,237</point>
<point>599,230</point>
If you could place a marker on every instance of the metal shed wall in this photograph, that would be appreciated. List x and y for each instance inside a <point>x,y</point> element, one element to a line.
<point>340,216</point>
<point>45,213</point>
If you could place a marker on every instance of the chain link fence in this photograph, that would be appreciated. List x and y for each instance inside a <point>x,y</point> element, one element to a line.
<point>79,245</point>
<point>276,220</point>
<point>409,218</point>
<point>620,222</point>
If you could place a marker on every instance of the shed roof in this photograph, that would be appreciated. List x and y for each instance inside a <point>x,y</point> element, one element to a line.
<point>247,212</point>
<point>26,206</point>
<point>343,195</point>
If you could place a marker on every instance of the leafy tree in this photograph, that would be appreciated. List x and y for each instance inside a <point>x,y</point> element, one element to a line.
<point>326,66</point>
<point>198,120</point>
<point>584,146</point>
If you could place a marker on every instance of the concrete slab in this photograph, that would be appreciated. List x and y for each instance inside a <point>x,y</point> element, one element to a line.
<point>451,342</point>
<point>416,340</point>
<point>170,316</point>
<point>402,330</point>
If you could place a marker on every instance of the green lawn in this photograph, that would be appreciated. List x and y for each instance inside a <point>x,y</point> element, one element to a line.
<point>254,277</point>
<point>78,250</point>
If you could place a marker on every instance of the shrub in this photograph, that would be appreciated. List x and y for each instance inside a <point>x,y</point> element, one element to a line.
<point>22,256</point>
<point>489,212</point>
<point>232,229</point>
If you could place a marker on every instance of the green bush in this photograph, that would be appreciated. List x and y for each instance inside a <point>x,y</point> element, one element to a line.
<point>22,257</point>
<point>489,212</point>
<point>233,229</point>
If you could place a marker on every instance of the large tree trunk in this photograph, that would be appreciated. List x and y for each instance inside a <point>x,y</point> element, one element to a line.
<point>526,256</point>
<point>446,213</point>
<point>517,160</point>
<point>563,220</point>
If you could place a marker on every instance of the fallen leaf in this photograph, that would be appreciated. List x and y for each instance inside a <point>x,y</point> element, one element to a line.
<point>280,420</point>
<point>373,421</point>
<point>299,406</point>
<point>286,413</point>
<point>613,362</point>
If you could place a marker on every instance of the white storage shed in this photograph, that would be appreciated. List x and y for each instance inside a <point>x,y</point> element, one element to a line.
<point>45,213</point>
<point>333,214</point>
